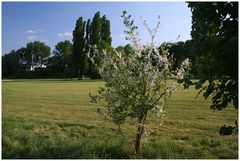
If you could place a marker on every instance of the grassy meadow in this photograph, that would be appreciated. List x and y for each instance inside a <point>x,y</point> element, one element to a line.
<point>55,119</point>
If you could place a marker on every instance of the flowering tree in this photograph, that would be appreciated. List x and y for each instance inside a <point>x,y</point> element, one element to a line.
<point>137,82</point>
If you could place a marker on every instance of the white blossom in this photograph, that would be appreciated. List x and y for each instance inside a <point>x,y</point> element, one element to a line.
<point>136,82</point>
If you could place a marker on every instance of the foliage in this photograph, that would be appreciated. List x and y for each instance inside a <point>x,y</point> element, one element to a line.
<point>95,37</point>
<point>61,62</point>
<point>176,50</point>
<point>11,64</point>
<point>26,59</point>
<point>105,31</point>
<point>36,53</point>
<point>79,56</point>
<point>137,83</point>
<point>95,29</point>
<point>63,49</point>
<point>179,51</point>
<point>215,35</point>
<point>23,57</point>
<point>127,49</point>
<point>100,37</point>
<point>87,35</point>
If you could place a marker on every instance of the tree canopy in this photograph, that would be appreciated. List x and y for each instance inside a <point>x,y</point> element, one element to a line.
<point>215,36</point>
<point>61,61</point>
<point>79,57</point>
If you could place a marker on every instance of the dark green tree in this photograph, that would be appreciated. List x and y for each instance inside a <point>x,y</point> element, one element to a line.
<point>87,36</point>
<point>11,65</point>
<point>127,49</point>
<point>177,52</point>
<point>36,54</point>
<point>24,57</point>
<point>61,61</point>
<point>192,53</point>
<point>215,35</point>
<point>63,49</point>
<point>32,57</point>
<point>79,55</point>
<point>105,31</point>
<point>95,34</point>
<point>95,38</point>
<point>120,48</point>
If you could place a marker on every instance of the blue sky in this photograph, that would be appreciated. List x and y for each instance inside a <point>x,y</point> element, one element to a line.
<point>52,22</point>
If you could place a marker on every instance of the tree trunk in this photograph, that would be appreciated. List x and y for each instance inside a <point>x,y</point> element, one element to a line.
<point>138,137</point>
<point>139,133</point>
<point>80,75</point>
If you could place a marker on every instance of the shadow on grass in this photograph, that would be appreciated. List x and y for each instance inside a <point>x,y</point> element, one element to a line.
<point>53,149</point>
<point>50,80</point>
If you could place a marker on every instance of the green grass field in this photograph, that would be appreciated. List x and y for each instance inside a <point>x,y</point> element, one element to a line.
<point>55,119</point>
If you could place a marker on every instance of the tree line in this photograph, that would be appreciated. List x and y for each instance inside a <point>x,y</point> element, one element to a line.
<point>68,59</point>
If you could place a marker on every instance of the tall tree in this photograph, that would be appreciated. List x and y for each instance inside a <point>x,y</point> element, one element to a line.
<point>87,36</point>
<point>105,31</point>
<point>95,38</point>
<point>79,56</point>
<point>95,29</point>
<point>215,35</point>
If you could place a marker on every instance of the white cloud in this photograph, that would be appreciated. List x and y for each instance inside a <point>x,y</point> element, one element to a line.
<point>31,38</point>
<point>65,34</point>
<point>60,34</point>
<point>31,32</point>
<point>34,31</point>
<point>122,36</point>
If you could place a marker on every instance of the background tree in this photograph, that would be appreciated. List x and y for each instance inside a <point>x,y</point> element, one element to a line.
<point>24,57</point>
<point>87,36</point>
<point>120,48</point>
<point>215,35</point>
<point>11,65</point>
<point>181,50</point>
<point>105,31</point>
<point>61,63</point>
<point>19,63</point>
<point>100,37</point>
<point>79,55</point>
<point>106,40</point>
<point>127,49</point>
<point>192,53</point>
<point>37,53</point>
<point>177,51</point>
<point>95,37</point>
